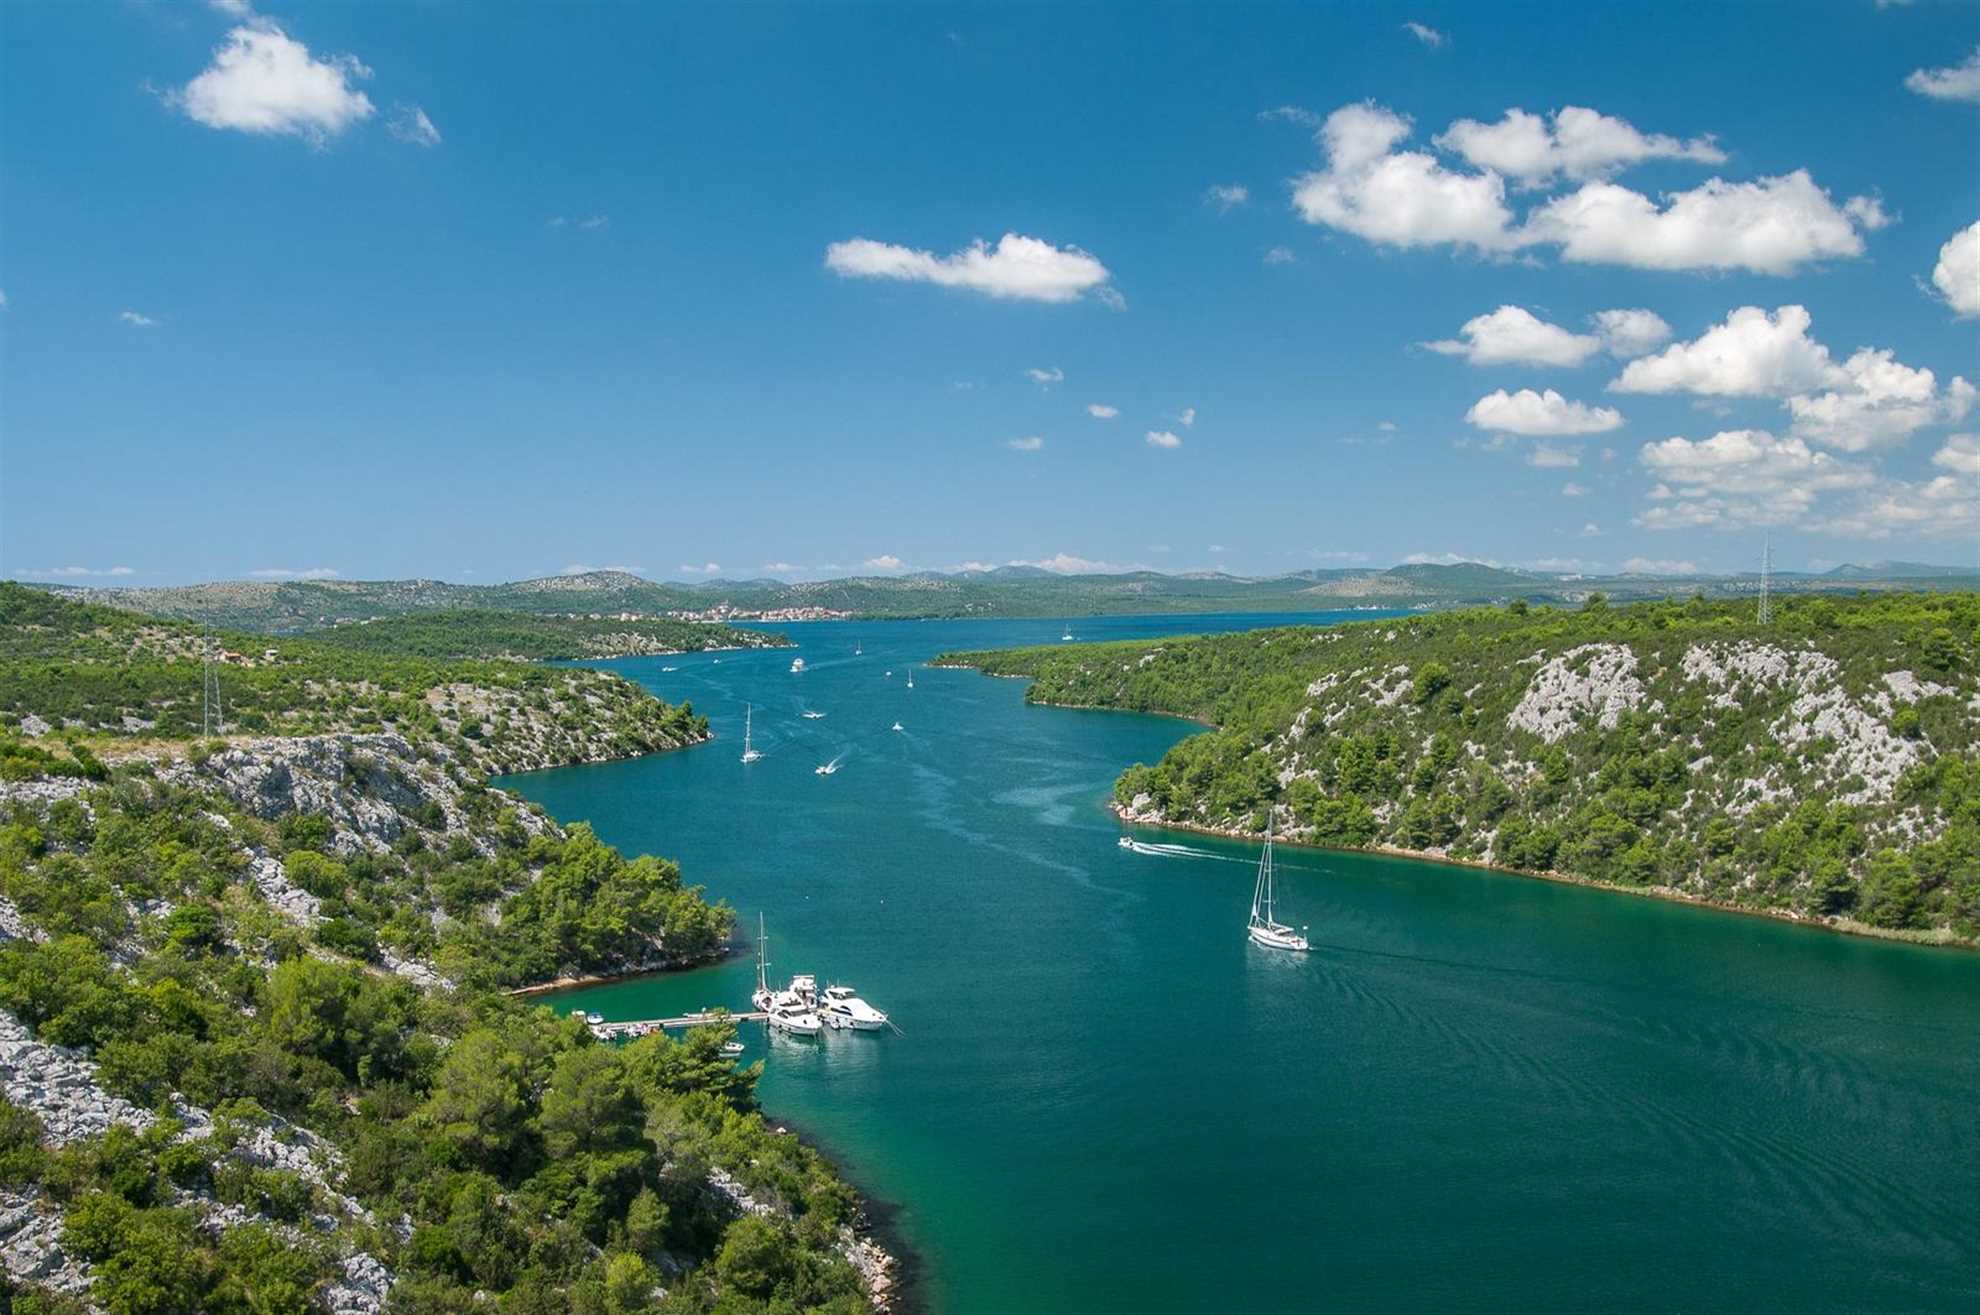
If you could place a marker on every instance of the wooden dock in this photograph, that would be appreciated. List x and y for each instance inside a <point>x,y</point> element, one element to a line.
<point>646,1026</point>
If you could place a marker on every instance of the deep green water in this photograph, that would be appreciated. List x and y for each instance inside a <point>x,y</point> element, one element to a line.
<point>1479,1093</point>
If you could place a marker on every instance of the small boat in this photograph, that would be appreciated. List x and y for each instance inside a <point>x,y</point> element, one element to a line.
<point>826,769</point>
<point>1067,636</point>
<point>594,1019</point>
<point>750,752</point>
<point>664,669</point>
<point>857,650</point>
<point>1264,928</point>
<point>1125,843</point>
<point>797,666</point>
<point>813,716</point>
<point>732,1049</point>
<point>890,675</point>
<point>899,727</point>
<point>910,680</point>
<point>846,1011</point>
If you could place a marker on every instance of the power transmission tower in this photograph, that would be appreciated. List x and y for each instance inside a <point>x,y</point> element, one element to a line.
<point>211,722</point>
<point>1767,582</point>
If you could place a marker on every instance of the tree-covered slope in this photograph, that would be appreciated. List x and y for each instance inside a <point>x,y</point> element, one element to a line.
<point>1822,766</point>
<point>100,671</point>
<point>523,636</point>
<point>257,1055</point>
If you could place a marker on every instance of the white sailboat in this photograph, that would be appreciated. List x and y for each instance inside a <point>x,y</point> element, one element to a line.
<point>1067,636</point>
<point>910,679</point>
<point>750,752</point>
<point>857,650</point>
<point>1265,928</point>
<point>797,666</point>
<point>761,996</point>
<point>899,727</point>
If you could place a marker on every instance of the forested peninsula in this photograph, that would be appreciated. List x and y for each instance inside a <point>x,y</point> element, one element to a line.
<point>257,1051</point>
<point>1822,766</point>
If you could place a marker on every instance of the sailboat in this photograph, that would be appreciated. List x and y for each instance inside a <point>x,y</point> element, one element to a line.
<point>761,997</point>
<point>1265,929</point>
<point>1067,636</point>
<point>910,679</point>
<point>789,1011</point>
<point>857,650</point>
<point>750,752</point>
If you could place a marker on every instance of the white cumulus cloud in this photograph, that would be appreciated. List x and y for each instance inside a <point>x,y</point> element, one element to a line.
<point>1404,199</point>
<point>1279,256</point>
<point>1574,490</point>
<point>262,80</point>
<point>294,573</point>
<point>1018,267</point>
<point>1029,443</point>
<point>1959,81</point>
<point>1631,332</point>
<point>1512,335</point>
<point>886,561</point>
<point>1752,354</point>
<point>1871,400</point>
<point>1961,454</point>
<point>706,568</point>
<point>1046,377</point>
<point>1067,564</point>
<point>1768,226</point>
<point>1101,411</point>
<point>1542,414</point>
<point>1188,417</point>
<point>1163,438</point>
<point>77,572</point>
<point>1575,141</point>
<point>1957,275</point>
<point>135,319</point>
<point>1741,477</point>
<point>1424,33</point>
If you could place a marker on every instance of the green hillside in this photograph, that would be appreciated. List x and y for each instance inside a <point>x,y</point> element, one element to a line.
<point>1821,767</point>
<point>476,633</point>
<point>104,672</point>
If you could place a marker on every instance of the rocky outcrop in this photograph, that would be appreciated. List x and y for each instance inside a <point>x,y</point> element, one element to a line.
<point>1597,680</point>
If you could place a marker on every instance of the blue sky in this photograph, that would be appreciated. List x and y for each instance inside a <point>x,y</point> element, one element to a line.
<point>483,292</point>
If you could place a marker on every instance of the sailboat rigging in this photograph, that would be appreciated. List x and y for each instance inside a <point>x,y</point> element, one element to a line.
<point>1264,928</point>
<point>750,752</point>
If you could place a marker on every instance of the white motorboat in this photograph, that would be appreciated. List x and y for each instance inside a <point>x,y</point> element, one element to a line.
<point>670,668</point>
<point>809,715</point>
<point>826,769</point>
<point>750,752</point>
<point>797,666</point>
<point>1264,928</point>
<point>732,1049</point>
<point>794,1019</point>
<point>899,727</point>
<point>842,1009</point>
<point>1125,843</point>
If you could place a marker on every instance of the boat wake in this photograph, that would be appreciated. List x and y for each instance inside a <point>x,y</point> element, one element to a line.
<point>1178,851</point>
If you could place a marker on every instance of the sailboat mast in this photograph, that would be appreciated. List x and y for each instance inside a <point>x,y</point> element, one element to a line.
<point>762,947</point>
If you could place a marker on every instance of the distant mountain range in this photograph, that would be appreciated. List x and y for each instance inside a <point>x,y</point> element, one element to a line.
<point>1007,591</point>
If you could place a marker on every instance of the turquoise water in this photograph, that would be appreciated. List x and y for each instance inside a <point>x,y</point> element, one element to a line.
<point>1478,1093</point>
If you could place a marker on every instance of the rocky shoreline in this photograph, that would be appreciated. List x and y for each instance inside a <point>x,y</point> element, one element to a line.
<point>1668,894</point>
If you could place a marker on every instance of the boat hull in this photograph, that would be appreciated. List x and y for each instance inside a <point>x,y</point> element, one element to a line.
<point>1269,939</point>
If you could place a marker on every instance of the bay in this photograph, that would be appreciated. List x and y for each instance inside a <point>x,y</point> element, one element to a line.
<point>1479,1092</point>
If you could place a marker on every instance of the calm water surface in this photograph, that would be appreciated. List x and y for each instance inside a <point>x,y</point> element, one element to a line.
<point>1478,1093</point>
